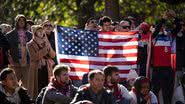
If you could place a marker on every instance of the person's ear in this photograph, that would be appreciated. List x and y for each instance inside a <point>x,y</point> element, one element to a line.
<point>57,77</point>
<point>108,78</point>
<point>3,82</point>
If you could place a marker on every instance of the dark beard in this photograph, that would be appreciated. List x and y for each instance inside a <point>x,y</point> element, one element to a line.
<point>114,81</point>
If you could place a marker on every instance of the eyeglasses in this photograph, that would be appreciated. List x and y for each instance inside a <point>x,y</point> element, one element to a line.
<point>125,27</point>
<point>47,25</point>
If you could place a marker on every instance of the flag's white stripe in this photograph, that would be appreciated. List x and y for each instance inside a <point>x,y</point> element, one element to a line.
<point>103,59</point>
<point>121,67</point>
<point>111,51</point>
<point>86,66</point>
<point>73,73</point>
<point>105,36</point>
<point>56,43</point>
<point>118,43</point>
<point>98,59</point>
<point>163,43</point>
<point>123,75</point>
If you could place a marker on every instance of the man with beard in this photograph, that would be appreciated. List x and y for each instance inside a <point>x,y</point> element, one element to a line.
<point>59,90</point>
<point>94,92</point>
<point>120,93</point>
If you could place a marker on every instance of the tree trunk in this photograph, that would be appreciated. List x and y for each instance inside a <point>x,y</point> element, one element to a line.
<point>112,9</point>
<point>85,11</point>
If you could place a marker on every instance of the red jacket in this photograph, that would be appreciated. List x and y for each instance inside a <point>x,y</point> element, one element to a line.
<point>162,51</point>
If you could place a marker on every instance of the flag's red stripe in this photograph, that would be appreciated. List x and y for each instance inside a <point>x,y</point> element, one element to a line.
<point>79,69</point>
<point>118,55</point>
<point>122,79</point>
<point>76,69</point>
<point>118,40</point>
<point>124,71</point>
<point>96,62</point>
<point>76,77</point>
<point>118,33</point>
<point>118,47</point>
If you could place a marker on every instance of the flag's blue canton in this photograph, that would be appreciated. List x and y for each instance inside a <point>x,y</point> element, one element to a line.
<point>77,42</point>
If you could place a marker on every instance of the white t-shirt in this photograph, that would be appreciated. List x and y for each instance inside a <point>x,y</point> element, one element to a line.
<point>124,92</point>
<point>178,95</point>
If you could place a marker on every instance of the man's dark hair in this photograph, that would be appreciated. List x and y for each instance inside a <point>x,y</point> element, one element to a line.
<point>139,81</point>
<point>92,74</point>
<point>114,23</point>
<point>108,70</point>
<point>59,68</point>
<point>90,19</point>
<point>30,22</point>
<point>104,19</point>
<point>5,72</point>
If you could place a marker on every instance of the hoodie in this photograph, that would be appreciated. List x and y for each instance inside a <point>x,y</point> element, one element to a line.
<point>15,44</point>
<point>20,96</point>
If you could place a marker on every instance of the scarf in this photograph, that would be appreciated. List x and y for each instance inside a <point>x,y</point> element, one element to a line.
<point>115,90</point>
<point>40,43</point>
<point>62,87</point>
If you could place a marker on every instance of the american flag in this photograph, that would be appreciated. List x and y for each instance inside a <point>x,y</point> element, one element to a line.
<point>85,50</point>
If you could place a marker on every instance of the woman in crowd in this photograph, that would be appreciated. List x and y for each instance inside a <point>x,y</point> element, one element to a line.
<point>10,91</point>
<point>41,54</point>
<point>141,93</point>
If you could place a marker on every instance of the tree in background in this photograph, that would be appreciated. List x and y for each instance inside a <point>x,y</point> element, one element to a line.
<point>76,12</point>
<point>112,9</point>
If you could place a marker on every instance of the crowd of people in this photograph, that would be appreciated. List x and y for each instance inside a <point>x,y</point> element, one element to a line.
<point>30,73</point>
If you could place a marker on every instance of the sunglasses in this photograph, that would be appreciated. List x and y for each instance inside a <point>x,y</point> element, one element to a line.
<point>125,27</point>
<point>48,25</point>
<point>93,21</point>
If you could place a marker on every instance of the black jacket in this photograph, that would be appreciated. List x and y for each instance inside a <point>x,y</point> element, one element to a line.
<point>13,41</point>
<point>180,51</point>
<point>25,99</point>
<point>4,45</point>
<point>85,94</point>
